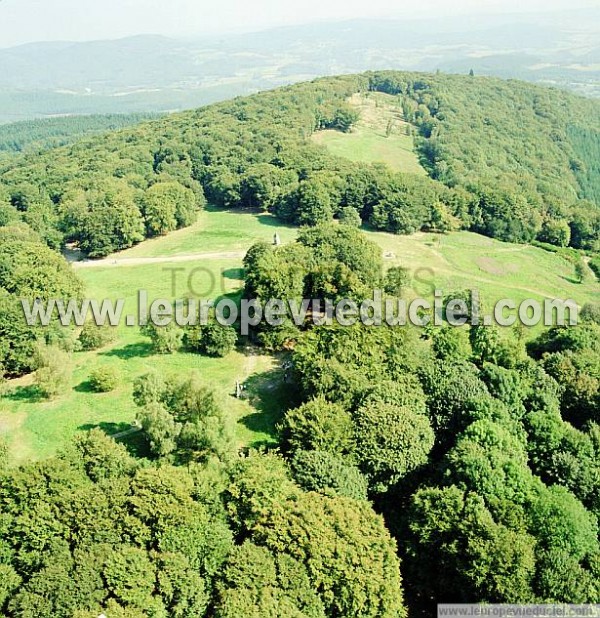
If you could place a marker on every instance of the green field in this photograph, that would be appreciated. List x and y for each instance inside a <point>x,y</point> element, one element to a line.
<point>497,269</point>
<point>368,143</point>
<point>216,230</point>
<point>35,429</point>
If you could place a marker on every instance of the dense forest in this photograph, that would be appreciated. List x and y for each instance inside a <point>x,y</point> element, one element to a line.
<point>451,465</point>
<point>38,135</point>
<point>586,143</point>
<point>481,450</point>
<point>413,466</point>
<point>507,159</point>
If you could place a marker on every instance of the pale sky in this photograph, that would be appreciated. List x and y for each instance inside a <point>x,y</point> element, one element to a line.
<point>23,21</point>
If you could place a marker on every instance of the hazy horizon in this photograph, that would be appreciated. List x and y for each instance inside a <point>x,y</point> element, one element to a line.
<point>28,21</point>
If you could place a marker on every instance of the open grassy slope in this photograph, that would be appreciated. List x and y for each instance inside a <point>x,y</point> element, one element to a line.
<point>497,269</point>
<point>35,429</point>
<point>216,230</point>
<point>369,141</point>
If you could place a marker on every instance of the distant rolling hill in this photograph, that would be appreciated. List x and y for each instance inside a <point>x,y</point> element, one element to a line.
<point>155,73</point>
<point>42,134</point>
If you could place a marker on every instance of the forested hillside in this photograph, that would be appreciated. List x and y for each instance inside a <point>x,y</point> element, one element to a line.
<point>507,159</point>
<point>586,143</point>
<point>403,467</point>
<point>36,135</point>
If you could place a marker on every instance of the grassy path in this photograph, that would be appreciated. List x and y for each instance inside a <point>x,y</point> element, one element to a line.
<point>111,262</point>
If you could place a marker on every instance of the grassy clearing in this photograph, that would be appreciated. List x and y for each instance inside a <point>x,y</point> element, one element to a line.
<point>499,270</point>
<point>215,230</point>
<point>36,429</point>
<point>368,142</point>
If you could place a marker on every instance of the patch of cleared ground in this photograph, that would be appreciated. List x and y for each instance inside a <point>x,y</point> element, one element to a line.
<point>380,136</point>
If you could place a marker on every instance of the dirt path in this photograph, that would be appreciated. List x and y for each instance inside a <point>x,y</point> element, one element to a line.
<point>139,261</point>
<point>127,432</point>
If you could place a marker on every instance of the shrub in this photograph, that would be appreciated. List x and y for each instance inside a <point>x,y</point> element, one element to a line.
<point>104,379</point>
<point>349,216</point>
<point>93,337</point>
<point>165,339</point>
<point>54,370</point>
<point>397,279</point>
<point>582,272</point>
<point>555,232</point>
<point>212,339</point>
<point>594,264</point>
<point>590,312</point>
<point>148,388</point>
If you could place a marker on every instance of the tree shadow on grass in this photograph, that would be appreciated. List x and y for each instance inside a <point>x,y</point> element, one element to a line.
<point>137,445</point>
<point>84,387</point>
<point>123,433</point>
<point>25,394</point>
<point>270,396</point>
<point>108,428</point>
<point>237,274</point>
<point>212,208</point>
<point>132,350</point>
<point>271,221</point>
<point>235,296</point>
<point>262,217</point>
